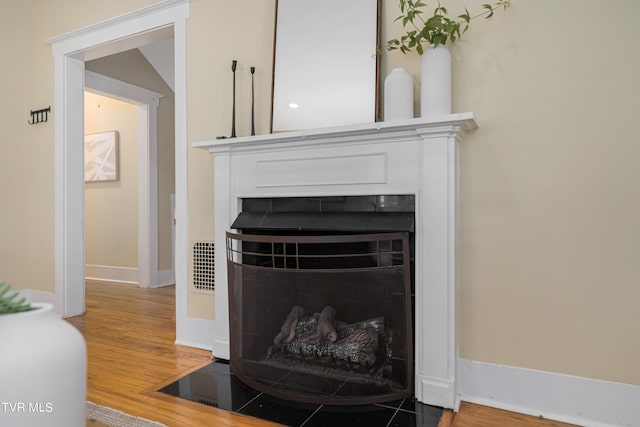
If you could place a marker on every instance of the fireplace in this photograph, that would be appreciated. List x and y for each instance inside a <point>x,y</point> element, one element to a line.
<point>320,298</point>
<point>417,158</point>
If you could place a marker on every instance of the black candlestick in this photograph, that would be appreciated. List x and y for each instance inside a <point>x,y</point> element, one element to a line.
<point>253,123</point>
<point>234,63</point>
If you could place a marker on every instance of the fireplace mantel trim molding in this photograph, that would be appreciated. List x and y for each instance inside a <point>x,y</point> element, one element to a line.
<point>452,125</point>
<point>416,156</point>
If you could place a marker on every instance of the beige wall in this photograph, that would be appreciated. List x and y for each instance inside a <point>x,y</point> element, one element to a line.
<point>217,33</point>
<point>549,190</point>
<point>26,157</point>
<point>549,203</point>
<point>111,208</point>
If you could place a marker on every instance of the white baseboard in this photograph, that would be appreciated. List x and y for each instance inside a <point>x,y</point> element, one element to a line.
<point>165,278</point>
<point>107,273</point>
<point>195,332</point>
<point>566,398</point>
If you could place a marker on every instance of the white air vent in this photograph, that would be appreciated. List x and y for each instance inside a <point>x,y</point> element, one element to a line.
<point>203,266</point>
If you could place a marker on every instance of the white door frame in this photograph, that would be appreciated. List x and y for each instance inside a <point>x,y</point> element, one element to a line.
<point>147,103</point>
<point>70,50</point>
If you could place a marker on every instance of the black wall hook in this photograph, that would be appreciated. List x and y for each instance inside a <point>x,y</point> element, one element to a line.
<point>39,116</point>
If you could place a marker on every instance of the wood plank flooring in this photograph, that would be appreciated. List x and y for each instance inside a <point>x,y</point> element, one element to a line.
<point>130,334</point>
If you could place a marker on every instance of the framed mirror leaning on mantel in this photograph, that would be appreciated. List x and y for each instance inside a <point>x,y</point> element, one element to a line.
<point>325,68</point>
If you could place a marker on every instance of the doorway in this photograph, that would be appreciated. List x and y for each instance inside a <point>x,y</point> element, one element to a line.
<point>157,22</point>
<point>143,188</point>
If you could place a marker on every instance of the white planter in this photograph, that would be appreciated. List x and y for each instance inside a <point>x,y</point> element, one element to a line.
<point>43,370</point>
<point>435,81</point>
<point>398,95</point>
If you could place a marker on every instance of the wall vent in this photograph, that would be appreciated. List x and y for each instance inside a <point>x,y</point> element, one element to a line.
<point>203,266</point>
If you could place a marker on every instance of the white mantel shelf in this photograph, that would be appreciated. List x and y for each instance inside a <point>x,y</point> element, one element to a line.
<point>463,122</point>
<point>411,157</point>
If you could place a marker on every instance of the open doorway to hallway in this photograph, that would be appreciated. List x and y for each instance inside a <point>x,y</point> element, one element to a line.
<point>129,225</point>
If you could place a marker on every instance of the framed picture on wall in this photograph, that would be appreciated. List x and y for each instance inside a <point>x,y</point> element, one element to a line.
<point>101,157</point>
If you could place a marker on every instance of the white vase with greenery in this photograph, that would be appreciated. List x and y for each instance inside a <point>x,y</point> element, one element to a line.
<point>436,32</point>
<point>43,366</point>
<point>435,82</point>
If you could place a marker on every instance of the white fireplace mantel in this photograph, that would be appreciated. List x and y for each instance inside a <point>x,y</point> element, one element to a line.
<point>417,156</point>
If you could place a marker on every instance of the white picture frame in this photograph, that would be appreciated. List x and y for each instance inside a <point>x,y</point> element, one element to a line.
<point>101,157</point>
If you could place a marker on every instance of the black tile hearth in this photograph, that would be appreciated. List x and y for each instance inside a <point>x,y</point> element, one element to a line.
<point>346,416</point>
<point>279,411</point>
<point>215,385</point>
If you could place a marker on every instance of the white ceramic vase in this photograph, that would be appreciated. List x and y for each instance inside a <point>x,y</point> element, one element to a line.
<point>43,370</point>
<point>435,81</point>
<point>398,95</point>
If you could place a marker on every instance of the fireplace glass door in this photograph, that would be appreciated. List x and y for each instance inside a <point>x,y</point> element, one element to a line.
<point>322,318</point>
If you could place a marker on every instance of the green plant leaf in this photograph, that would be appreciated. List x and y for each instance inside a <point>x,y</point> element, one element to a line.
<point>439,39</point>
<point>442,10</point>
<point>438,29</point>
<point>489,11</point>
<point>466,17</point>
<point>7,303</point>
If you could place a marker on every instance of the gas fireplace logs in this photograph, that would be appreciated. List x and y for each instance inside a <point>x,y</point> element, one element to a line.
<point>321,338</point>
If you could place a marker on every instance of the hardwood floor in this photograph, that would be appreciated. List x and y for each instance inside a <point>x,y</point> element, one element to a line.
<point>130,334</point>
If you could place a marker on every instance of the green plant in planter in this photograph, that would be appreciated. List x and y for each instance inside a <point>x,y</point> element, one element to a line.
<point>7,303</point>
<point>439,28</point>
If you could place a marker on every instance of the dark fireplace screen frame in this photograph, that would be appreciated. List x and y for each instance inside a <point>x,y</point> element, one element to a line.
<point>322,318</point>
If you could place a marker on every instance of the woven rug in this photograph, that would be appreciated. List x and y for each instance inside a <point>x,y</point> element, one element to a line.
<point>101,415</point>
